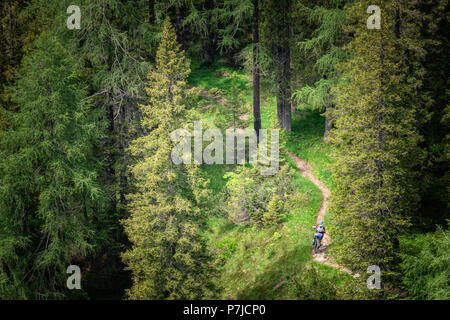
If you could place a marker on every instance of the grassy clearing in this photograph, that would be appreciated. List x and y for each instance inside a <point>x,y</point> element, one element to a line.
<point>268,263</point>
<point>221,76</point>
<point>218,75</point>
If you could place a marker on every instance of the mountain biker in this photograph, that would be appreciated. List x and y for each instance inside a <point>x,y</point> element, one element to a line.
<point>320,231</point>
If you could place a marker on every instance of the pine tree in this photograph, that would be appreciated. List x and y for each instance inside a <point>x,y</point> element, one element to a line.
<point>255,198</point>
<point>117,45</point>
<point>167,258</point>
<point>256,87</point>
<point>276,29</point>
<point>321,42</point>
<point>436,176</point>
<point>425,272</point>
<point>234,19</point>
<point>375,143</point>
<point>49,189</point>
<point>274,212</point>
<point>17,31</point>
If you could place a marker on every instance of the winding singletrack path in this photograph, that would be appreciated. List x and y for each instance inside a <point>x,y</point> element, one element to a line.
<point>306,171</point>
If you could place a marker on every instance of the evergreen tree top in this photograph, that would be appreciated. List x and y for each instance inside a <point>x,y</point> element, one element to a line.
<point>170,58</point>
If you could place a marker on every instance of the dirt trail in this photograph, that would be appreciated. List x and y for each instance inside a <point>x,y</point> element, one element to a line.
<point>306,171</point>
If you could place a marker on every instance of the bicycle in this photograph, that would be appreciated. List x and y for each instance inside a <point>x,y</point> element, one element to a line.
<point>316,244</point>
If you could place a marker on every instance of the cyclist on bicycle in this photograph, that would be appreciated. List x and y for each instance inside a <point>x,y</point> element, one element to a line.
<point>320,231</point>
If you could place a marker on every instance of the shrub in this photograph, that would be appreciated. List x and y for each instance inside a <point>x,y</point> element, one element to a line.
<point>426,273</point>
<point>260,199</point>
<point>274,212</point>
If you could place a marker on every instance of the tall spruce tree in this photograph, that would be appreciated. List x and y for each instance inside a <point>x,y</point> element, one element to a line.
<point>276,29</point>
<point>436,175</point>
<point>322,41</point>
<point>49,172</point>
<point>375,142</point>
<point>167,258</point>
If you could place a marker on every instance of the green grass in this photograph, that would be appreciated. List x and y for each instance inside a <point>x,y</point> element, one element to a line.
<point>218,75</point>
<point>260,258</point>
<point>258,263</point>
<point>305,140</point>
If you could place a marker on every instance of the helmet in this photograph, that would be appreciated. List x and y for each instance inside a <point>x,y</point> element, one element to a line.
<point>320,222</point>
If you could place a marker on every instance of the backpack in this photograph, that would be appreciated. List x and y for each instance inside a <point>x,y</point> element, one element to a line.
<point>320,228</point>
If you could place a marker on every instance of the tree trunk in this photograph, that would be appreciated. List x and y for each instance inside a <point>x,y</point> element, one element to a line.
<point>287,70</point>
<point>283,93</point>
<point>284,60</point>
<point>151,11</point>
<point>208,50</point>
<point>11,36</point>
<point>178,27</point>
<point>256,94</point>
<point>328,124</point>
<point>280,108</point>
<point>110,171</point>
<point>208,42</point>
